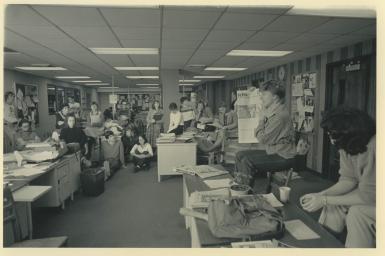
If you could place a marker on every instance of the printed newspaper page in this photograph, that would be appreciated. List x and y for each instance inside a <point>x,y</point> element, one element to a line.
<point>249,107</point>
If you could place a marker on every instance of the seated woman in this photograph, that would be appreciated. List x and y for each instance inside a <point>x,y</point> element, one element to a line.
<point>112,125</point>
<point>351,202</point>
<point>25,135</point>
<point>112,153</point>
<point>275,132</point>
<point>176,120</point>
<point>203,114</point>
<point>141,153</point>
<point>73,134</point>
<point>61,117</point>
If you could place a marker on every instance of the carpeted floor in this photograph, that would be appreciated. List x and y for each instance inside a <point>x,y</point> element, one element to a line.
<point>134,211</point>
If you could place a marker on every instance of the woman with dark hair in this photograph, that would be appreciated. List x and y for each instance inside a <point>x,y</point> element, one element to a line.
<point>351,202</point>
<point>154,123</point>
<point>176,120</point>
<point>72,134</point>
<point>203,114</point>
<point>61,117</point>
<point>274,131</point>
<point>141,153</point>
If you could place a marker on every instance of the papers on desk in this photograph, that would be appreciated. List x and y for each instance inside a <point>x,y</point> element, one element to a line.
<point>38,145</point>
<point>220,183</point>
<point>201,199</point>
<point>166,138</point>
<point>271,199</point>
<point>23,172</point>
<point>299,230</point>
<point>203,171</point>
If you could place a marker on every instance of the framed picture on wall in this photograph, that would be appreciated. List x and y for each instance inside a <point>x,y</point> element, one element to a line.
<point>27,101</point>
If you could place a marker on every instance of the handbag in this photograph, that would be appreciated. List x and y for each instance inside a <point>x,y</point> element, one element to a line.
<point>245,217</point>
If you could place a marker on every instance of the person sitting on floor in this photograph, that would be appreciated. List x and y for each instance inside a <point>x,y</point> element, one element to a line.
<point>141,153</point>
<point>351,202</point>
<point>25,135</point>
<point>176,120</point>
<point>72,134</point>
<point>274,131</point>
<point>112,153</point>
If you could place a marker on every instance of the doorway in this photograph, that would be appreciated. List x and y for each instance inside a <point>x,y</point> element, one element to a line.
<point>348,83</point>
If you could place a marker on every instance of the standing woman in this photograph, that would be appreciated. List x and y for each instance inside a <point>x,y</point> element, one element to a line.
<point>96,116</point>
<point>154,123</point>
<point>61,117</point>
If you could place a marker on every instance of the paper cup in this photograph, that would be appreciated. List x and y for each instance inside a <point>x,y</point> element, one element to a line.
<point>239,190</point>
<point>284,193</point>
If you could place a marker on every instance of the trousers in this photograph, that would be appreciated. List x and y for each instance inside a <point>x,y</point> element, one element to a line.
<point>360,222</point>
<point>249,162</point>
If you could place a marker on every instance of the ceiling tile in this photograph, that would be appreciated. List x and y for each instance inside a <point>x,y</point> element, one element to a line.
<point>89,32</point>
<point>131,33</point>
<point>260,9</point>
<point>195,8</point>
<point>116,60</point>
<point>213,45</point>
<point>256,46</point>
<point>177,52</point>
<point>140,43</point>
<point>189,19</point>
<point>230,61</point>
<point>132,17</point>
<point>242,21</point>
<point>348,39</point>
<point>101,42</point>
<point>182,44</point>
<point>22,15</point>
<point>309,38</point>
<point>342,25</point>
<point>184,34</point>
<point>368,30</point>
<point>146,60</point>
<point>37,31</point>
<point>272,37</point>
<point>72,16</point>
<point>292,23</point>
<point>229,35</point>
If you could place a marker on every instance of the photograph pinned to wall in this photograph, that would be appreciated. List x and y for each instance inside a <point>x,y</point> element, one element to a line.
<point>297,89</point>
<point>309,105</point>
<point>297,79</point>
<point>308,124</point>
<point>26,101</point>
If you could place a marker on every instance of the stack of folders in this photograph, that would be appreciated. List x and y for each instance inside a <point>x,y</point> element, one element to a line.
<point>166,138</point>
<point>203,171</point>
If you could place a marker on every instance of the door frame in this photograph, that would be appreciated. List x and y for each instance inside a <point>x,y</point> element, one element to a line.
<point>328,102</point>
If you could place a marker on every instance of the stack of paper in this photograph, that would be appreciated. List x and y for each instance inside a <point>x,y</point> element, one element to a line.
<point>203,171</point>
<point>185,169</point>
<point>166,138</point>
<point>201,199</point>
<point>220,183</point>
<point>23,172</point>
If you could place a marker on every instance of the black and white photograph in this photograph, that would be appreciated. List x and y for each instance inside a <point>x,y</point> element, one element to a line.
<point>124,125</point>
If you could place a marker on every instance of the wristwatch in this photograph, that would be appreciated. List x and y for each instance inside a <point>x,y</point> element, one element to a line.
<point>324,200</point>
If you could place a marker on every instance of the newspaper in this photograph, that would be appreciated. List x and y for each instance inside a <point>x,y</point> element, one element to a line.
<point>249,107</point>
<point>201,199</point>
<point>203,171</point>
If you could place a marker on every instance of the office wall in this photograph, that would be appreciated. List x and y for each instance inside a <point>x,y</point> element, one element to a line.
<point>315,63</point>
<point>46,121</point>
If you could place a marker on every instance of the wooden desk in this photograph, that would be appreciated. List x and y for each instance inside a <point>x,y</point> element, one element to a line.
<point>201,236</point>
<point>171,155</point>
<point>29,194</point>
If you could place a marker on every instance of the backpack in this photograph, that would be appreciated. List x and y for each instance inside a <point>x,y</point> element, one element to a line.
<point>245,217</point>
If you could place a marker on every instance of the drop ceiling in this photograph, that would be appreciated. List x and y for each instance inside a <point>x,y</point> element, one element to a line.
<point>62,36</point>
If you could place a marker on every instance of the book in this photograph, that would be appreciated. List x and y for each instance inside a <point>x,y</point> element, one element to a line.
<point>157,117</point>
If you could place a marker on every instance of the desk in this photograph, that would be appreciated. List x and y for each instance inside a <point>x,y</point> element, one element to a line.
<point>171,155</point>
<point>29,194</point>
<point>201,235</point>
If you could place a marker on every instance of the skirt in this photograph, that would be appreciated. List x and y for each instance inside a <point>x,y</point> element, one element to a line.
<point>153,132</point>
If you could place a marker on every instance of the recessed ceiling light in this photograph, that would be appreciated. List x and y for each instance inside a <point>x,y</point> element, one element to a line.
<point>125,50</point>
<point>136,68</point>
<point>87,81</point>
<point>189,81</point>
<point>197,65</point>
<point>109,87</point>
<point>224,69</point>
<point>41,68</point>
<point>185,84</point>
<point>147,84</point>
<point>258,53</point>
<point>142,77</point>
<point>72,77</point>
<point>203,77</point>
<point>98,84</point>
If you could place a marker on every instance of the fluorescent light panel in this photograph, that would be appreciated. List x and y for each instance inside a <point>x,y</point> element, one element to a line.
<point>143,77</point>
<point>259,53</point>
<point>224,69</point>
<point>185,84</point>
<point>205,77</point>
<point>72,77</point>
<point>109,87</point>
<point>87,81</point>
<point>98,84</point>
<point>136,68</point>
<point>125,50</point>
<point>148,84</point>
<point>189,81</point>
<point>41,68</point>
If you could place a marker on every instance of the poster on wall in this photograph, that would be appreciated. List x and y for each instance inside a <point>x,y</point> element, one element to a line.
<point>249,106</point>
<point>26,101</point>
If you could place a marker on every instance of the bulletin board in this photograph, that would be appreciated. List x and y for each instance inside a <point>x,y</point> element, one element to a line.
<point>303,101</point>
<point>27,102</point>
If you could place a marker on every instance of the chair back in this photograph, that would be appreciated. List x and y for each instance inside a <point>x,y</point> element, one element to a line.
<point>11,229</point>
